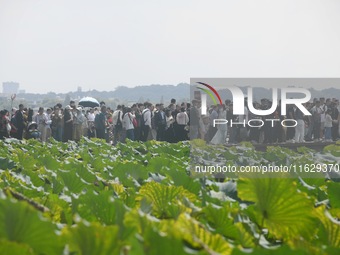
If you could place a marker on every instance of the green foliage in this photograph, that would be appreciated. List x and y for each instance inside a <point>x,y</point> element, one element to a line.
<point>278,206</point>
<point>89,239</point>
<point>93,198</point>
<point>21,227</point>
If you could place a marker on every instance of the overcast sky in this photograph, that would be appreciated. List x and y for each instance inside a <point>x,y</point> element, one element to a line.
<point>57,45</point>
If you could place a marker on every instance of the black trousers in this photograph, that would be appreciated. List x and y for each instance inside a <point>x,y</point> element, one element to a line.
<point>144,133</point>
<point>160,133</point>
<point>335,131</point>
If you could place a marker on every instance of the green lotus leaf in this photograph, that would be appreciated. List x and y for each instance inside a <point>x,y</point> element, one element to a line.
<point>278,206</point>
<point>20,223</point>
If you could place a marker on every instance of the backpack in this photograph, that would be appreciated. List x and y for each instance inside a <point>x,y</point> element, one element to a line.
<point>119,124</point>
<point>134,121</point>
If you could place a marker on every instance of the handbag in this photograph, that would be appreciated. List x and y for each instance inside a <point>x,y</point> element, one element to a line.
<point>134,121</point>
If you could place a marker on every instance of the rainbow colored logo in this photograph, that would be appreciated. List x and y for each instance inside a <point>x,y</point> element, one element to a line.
<point>209,92</point>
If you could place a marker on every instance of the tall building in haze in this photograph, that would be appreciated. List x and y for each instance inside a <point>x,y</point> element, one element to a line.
<point>10,87</point>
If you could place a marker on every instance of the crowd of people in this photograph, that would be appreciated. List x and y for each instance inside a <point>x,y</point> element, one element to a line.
<point>173,123</point>
<point>321,126</point>
<point>140,122</point>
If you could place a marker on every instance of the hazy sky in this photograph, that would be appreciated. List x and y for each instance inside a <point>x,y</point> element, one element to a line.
<point>57,45</point>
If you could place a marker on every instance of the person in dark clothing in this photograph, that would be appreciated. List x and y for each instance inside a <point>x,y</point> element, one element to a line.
<point>174,112</point>
<point>30,115</point>
<point>194,118</point>
<point>68,124</point>
<point>160,122</point>
<point>137,110</point>
<point>20,122</point>
<point>212,130</point>
<point>146,122</point>
<point>100,123</point>
<point>182,120</point>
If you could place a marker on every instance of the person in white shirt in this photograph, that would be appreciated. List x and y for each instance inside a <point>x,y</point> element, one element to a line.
<point>128,124</point>
<point>169,129</point>
<point>91,115</point>
<point>146,122</point>
<point>41,119</point>
<point>182,120</point>
<point>90,123</point>
<point>221,135</point>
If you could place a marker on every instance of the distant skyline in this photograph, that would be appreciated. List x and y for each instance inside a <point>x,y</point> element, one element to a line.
<point>49,45</point>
